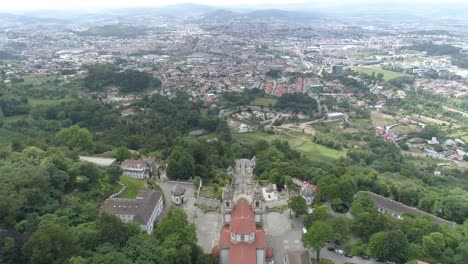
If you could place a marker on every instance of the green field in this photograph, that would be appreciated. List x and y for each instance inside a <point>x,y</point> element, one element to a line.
<point>297,141</point>
<point>380,119</point>
<point>133,186</point>
<point>48,102</point>
<point>264,102</point>
<point>388,75</point>
<point>36,79</point>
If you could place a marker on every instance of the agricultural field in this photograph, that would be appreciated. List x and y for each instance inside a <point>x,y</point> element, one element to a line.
<point>37,79</point>
<point>133,186</point>
<point>405,129</point>
<point>388,75</point>
<point>48,102</point>
<point>297,141</point>
<point>380,119</point>
<point>264,102</point>
<point>427,119</point>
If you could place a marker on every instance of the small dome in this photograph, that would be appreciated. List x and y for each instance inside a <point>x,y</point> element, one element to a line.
<point>269,253</point>
<point>307,190</point>
<point>270,188</point>
<point>178,190</point>
<point>215,252</point>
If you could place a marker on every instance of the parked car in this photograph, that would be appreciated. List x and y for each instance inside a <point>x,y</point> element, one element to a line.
<point>365,257</point>
<point>304,230</point>
<point>331,249</point>
<point>379,260</point>
<point>339,251</point>
<point>348,255</point>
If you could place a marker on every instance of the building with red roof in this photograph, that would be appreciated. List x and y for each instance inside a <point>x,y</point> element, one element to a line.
<point>242,238</point>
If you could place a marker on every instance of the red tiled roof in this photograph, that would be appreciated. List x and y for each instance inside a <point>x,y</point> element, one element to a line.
<point>243,221</point>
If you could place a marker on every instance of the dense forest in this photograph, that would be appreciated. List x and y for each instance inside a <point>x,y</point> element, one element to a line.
<point>103,75</point>
<point>434,49</point>
<point>119,30</point>
<point>297,103</point>
<point>460,60</point>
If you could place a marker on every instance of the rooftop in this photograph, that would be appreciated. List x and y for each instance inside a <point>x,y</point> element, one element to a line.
<point>141,207</point>
<point>298,257</point>
<point>98,161</point>
<point>400,208</point>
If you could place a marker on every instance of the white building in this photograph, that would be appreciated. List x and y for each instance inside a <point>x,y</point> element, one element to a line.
<point>145,209</point>
<point>433,141</point>
<point>308,192</point>
<point>178,194</point>
<point>139,169</point>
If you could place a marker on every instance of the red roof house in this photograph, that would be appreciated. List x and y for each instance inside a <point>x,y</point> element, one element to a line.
<point>242,240</point>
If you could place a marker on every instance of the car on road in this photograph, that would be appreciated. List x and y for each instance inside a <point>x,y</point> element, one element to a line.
<point>348,255</point>
<point>339,251</point>
<point>331,249</point>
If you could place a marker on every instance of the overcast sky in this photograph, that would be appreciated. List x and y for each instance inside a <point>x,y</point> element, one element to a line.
<point>71,4</point>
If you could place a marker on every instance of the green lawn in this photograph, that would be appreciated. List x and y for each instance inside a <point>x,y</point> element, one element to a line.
<point>36,79</point>
<point>388,75</point>
<point>264,102</point>
<point>413,59</point>
<point>48,102</point>
<point>133,186</point>
<point>380,119</point>
<point>297,141</point>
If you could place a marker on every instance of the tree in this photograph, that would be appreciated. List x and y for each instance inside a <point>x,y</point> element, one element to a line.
<point>181,165</point>
<point>112,230</point>
<point>52,244</point>
<point>114,171</point>
<point>110,258</point>
<point>341,228</point>
<point>76,138</point>
<point>316,236</point>
<point>176,237</point>
<point>392,246</point>
<point>122,153</point>
<point>298,205</point>
<point>320,213</point>
<point>433,244</point>
<point>222,130</point>
<point>363,204</point>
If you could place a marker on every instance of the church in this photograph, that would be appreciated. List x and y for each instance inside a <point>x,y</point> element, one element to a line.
<point>242,238</point>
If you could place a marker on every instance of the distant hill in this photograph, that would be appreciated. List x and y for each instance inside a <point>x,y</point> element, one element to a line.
<point>118,30</point>
<point>221,14</point>
<point>12,18</point>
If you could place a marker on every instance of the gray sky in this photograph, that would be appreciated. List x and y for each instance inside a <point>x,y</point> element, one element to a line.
<point>70,4</point>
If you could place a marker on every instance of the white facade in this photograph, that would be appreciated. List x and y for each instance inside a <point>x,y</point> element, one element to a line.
<point>135,173</point>
<point>157,211</point>
<point>178,199</point>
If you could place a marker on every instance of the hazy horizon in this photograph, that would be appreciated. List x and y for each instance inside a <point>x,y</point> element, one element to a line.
<point>31,5</point>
